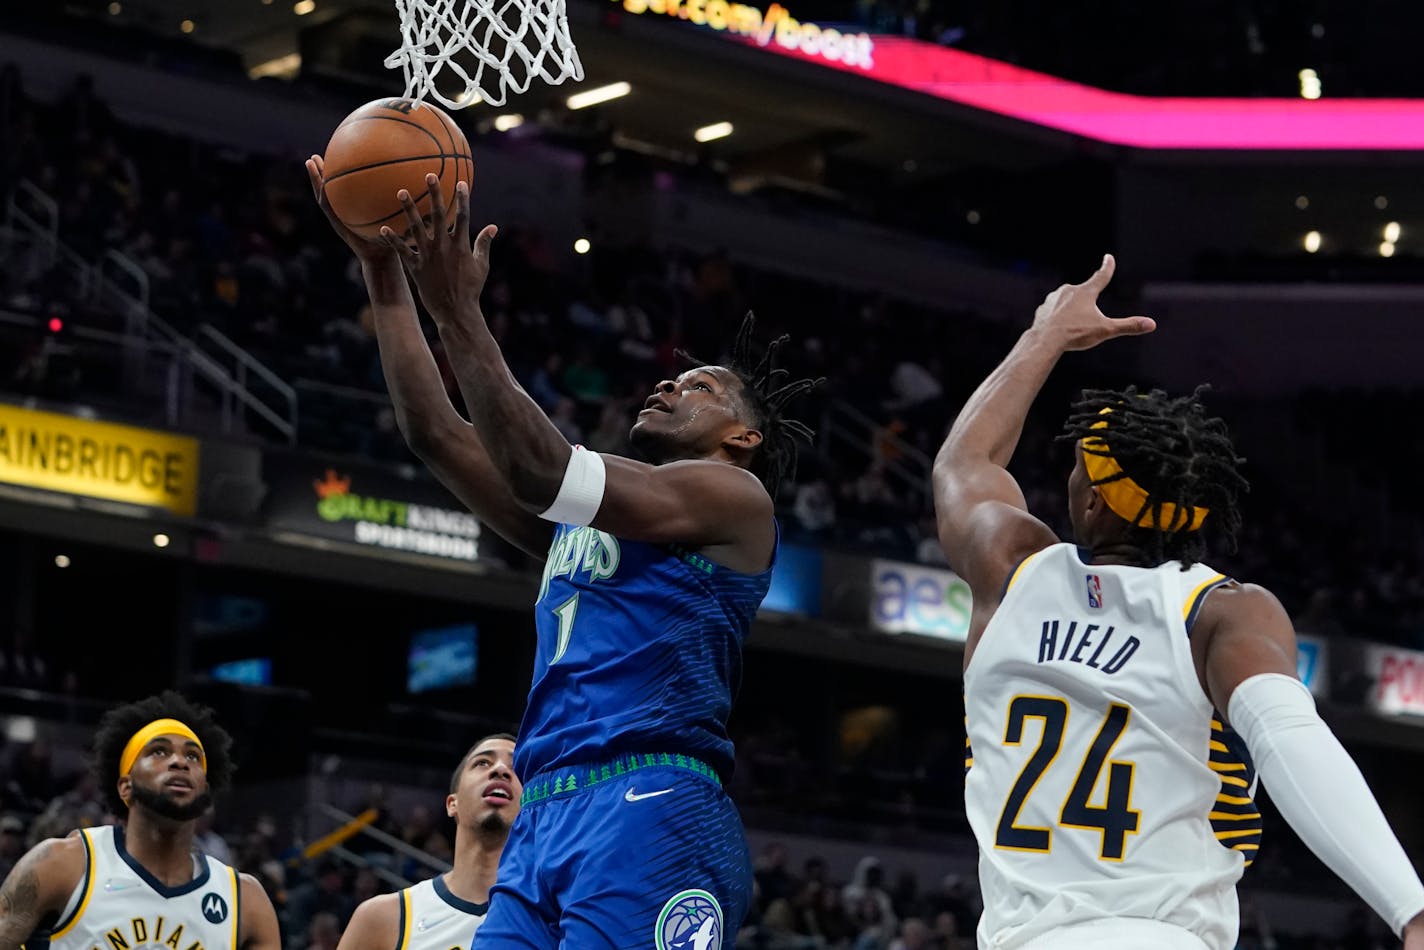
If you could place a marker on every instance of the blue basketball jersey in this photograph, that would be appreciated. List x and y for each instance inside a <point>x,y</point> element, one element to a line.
<point>640,650</point>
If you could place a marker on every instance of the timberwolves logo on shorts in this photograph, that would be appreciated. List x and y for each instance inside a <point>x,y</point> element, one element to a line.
<point>214,908</point>
<point>690,920</point>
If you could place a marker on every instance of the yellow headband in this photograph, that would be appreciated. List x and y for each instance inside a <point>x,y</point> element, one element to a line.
<point>159,727</point>
<point>1125,498</point>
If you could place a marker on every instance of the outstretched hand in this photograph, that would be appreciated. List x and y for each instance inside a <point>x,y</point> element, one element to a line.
<point>362,248</point>
<point>446,270</point>
<point>1070,314</point>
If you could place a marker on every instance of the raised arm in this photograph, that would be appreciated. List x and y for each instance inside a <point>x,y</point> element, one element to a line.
<point>447,444</point>
<point>698,503</point>
<point>39,885</point>
<point>1246,651</point>
<point>983,520</point>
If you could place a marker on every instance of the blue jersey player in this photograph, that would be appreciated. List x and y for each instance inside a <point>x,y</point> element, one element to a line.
<point>653,572</point>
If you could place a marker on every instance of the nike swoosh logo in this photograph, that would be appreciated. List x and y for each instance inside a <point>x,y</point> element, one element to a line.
<point>112,886</point>
<point>632,796</point>
<point>426,923</point>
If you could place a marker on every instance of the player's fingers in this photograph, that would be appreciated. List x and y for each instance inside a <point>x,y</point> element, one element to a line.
<point>1132,326</point>
<point>396,243</point>
<point>418,230</point>
<point>461,226</point>
<point>1100,278</point>
<point>437,205</point>
<point>319,192</point>
<point>484,239</point>
<point>314,176</point>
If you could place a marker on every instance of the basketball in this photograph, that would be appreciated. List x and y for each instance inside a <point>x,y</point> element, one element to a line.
<point>387,145</point>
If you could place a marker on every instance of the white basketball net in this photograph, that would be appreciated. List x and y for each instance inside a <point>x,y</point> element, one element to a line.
<point>509,42</point>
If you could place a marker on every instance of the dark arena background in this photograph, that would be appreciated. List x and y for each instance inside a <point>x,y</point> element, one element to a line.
<point>202,484</point>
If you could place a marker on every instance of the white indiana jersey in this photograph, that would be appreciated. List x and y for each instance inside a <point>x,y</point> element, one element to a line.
<point>432,918</point>
<point>1101,784</point>
<point>120,905</point>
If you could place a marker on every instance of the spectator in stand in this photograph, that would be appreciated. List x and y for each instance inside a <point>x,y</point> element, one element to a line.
<point>325,893</point>
<point>324,932</point>
<point>565,419</point>
<point>815,507</point>
<point>773,879</point>
<point>948,935</point>
<point>914,935</point>
<point>867,899</point>
<point>210,842</point>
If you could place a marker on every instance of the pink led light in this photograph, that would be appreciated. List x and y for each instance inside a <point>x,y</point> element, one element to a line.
<point>1140,121</point>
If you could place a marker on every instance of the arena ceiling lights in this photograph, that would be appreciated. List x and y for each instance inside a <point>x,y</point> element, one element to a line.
<point>599,94</point>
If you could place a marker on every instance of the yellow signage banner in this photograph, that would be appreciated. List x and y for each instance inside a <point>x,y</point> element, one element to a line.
<point>99,459</point>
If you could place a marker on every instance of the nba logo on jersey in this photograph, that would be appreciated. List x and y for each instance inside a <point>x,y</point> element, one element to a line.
<point>1095,592</point>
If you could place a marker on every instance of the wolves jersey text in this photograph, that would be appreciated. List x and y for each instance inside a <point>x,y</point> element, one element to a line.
<point>640,650</point>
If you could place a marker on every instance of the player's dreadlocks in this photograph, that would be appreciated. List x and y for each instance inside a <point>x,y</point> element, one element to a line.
<point>118,725</point>
<point>765,393</point>
<point>1177,453</point>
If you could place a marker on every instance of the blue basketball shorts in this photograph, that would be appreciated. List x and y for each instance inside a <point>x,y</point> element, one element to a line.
<point>644,851</point>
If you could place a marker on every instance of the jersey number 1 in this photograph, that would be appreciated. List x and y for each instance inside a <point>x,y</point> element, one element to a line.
<point>566,613</point>
<point>1115,819</point>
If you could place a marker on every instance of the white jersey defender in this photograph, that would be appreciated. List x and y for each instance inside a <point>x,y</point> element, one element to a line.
<point>432,918</point>
<point>1126,798</point>
<point>120,905</point>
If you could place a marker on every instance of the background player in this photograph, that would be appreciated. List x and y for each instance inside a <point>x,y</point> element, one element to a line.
<point>159,761</point>
<point>655,572</point>
<point>1093,673</point>
<point>444,912</point>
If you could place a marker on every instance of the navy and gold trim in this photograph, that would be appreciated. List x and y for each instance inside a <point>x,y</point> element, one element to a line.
<point>577,778</point>
<point>968,750</point>
<point>1198,597</point>
<point>1234,817</point>
<point>65,926</point>
<point>236,907</point>
<point>1017,572</point>
<point>442,891</point>
<point>163,890</point>
<point>403,927</point>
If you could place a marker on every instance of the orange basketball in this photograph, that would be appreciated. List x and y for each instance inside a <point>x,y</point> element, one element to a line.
<point>385,146</point>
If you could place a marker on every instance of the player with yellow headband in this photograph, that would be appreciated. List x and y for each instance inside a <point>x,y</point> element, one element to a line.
<point>1121,697</point>
<point>142,882</point>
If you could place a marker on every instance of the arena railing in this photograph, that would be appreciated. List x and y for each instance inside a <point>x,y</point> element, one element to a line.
<point>348,827</point>
<point>907,464</point>
<point>25,198</point>
<point>246,366</point>
<point>29,210</point>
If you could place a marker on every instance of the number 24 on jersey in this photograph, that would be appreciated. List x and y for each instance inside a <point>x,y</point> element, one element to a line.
<point>1114,820</point>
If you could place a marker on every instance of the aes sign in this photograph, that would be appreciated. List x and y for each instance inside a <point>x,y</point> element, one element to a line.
<point>908,598</point>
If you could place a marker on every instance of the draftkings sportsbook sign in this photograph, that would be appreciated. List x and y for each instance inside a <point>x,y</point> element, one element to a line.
<point>367,506</point>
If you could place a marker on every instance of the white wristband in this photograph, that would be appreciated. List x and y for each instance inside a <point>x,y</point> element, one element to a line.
<point>1320,791</point>
<point>581,493</point>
